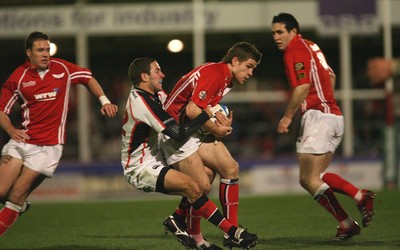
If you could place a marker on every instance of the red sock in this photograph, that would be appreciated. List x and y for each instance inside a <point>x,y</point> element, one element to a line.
<point>339,185</point>
<point>7,218</point>
<point>193,221</point>
<point>327,199</point>
<point>181,211</point>
<point>229,198</point>
<point>209,211</point>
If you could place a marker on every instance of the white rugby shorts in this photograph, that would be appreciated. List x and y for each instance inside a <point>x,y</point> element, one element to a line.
<point>319,132</point>
<point>174,151</point>
<point>42,159</point>
<point>149,175</point>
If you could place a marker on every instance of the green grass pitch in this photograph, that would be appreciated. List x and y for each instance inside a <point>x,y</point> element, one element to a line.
<point>282,222</point>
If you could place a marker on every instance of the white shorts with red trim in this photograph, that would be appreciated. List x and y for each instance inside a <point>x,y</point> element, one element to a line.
<point>319,133</point>
<point>42,159</point>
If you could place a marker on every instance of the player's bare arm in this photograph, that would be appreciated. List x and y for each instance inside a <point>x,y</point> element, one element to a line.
<point>298,96</point>
<point>14,133</point>
<point>333,80</point>
<point>192,110</point>
<point>107,108</point>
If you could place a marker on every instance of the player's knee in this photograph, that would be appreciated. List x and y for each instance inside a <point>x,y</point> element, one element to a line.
<point>231,171</point>
<point>193,191</point>
<point>205,187</point>
<point>304,182</point>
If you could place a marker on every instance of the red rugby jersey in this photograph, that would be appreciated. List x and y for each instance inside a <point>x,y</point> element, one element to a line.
<point>44,102</point>
<point>204,85</point>
<point>305,63</point>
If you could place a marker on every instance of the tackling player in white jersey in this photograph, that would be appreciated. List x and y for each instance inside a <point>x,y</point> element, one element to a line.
<point>143,164</point>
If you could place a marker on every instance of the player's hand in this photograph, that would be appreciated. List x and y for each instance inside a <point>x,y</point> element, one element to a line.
<point>109,109</point>
<point>379,70</point>
<point>18,135</point>
<point>222,120</point>
<point>222,131</point>
<point>283,126</point>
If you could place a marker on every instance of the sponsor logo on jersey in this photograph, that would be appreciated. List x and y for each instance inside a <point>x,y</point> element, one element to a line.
<point>299,66</point>
<point>28,84</point>
<point>58,76</point>
<point>202,95</point>
<point>156,166</point>
<point>49,96</point>
<point>301,76</point>
<point>179,152</point>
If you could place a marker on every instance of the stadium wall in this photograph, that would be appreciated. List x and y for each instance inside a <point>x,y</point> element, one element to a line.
<point>104,181</point>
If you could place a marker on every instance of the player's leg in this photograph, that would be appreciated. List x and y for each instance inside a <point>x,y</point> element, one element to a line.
<point>217,157</point>
<point>193,166</point>
<point>363,198</point>
<point>23,186</point>
<point>194,221</point>
<point>311,166</point>
<point>176,182</point>
<point>10,169</point>
<point>187,160</point>
<point>39,163</point>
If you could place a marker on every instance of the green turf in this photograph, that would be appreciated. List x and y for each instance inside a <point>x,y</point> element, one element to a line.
<point>282,222</point>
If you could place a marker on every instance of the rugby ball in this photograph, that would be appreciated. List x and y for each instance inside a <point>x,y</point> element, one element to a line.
<point>220,108</point>
<point>217,108</point>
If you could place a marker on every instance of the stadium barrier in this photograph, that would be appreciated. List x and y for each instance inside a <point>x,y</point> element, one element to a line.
<point>106,181</point>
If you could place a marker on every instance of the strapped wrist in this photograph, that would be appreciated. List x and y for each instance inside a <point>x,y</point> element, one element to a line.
<point>104,100</point>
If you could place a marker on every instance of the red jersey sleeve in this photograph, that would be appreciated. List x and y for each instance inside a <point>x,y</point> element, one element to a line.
<point>297,64</point>
<point>8,96</point>
<point>79,75</point>
<point>208,86</point>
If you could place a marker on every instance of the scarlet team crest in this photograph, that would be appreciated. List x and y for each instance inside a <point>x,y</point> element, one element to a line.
<point>202,95</point>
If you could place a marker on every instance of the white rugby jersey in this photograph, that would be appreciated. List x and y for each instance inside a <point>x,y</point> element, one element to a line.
<point>143,119</point>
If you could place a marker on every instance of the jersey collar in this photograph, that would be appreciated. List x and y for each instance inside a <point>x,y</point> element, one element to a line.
<point>294,40</point>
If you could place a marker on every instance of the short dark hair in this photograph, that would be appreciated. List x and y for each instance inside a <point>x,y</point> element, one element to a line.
<point>243,51</point>
<point>288,19</point>
<point>34,36</point>
<point>138,66</point>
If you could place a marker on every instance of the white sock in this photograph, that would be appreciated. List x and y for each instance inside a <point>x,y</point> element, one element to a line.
<point>358,196</point>
<point>13,206</point>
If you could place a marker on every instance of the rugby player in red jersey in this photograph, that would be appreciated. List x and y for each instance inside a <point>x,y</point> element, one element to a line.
<point>313,81</point>
<point>201,87</point>
<point>41,86</point>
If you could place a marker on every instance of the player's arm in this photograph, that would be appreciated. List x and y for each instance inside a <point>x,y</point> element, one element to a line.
<point>333,79</point>
<point>181,132</point>
<point>14,133</point>
<point>298,96</point>
<point>107,108</point>
<point>218,131</point>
